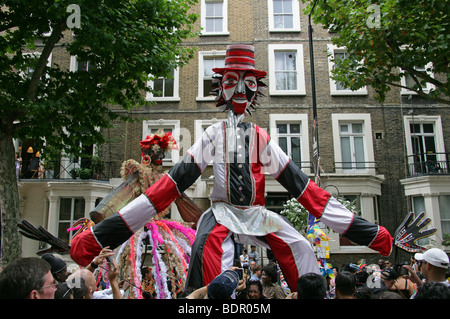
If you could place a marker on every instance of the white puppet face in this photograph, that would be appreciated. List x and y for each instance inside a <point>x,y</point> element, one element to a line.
<point>239,88</point>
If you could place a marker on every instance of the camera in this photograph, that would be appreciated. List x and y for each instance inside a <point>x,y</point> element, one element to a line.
<point>403,271</point>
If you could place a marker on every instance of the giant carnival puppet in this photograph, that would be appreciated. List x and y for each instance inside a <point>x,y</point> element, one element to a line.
<point>241,153</point>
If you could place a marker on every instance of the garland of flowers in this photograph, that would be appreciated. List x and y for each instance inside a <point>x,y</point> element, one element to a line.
<point>188,232</point>
<point>174,261</point>
<point>139,249</point>
<point>186,248</point>
<point>178,249</point>
<point>176,240</point>
<point>136,279</point>
<point>160,267</point>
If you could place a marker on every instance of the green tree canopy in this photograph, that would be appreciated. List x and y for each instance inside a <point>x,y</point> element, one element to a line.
<point>388,40</point>
<point>123,42</point>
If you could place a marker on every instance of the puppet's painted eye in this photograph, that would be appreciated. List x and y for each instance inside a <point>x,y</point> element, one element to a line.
<point>251,84</point>
<point>230,82</point>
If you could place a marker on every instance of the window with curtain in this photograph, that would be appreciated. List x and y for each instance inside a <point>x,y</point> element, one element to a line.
<point>286,70</point>
<point>352,146</point>
<point>214,16</point>
<point>289,139</point>
<point>283,14</point>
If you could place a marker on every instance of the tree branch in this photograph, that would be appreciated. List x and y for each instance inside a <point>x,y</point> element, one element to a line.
<point>8,26</point>
<point>42,62</point>
<point>419,92</point>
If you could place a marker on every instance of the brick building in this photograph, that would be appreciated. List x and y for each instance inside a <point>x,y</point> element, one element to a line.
<point>390,158</point>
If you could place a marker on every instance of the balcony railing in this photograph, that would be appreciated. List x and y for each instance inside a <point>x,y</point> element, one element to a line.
<point>67,169</point>
<point>428,164</point>
<point>355,166</point>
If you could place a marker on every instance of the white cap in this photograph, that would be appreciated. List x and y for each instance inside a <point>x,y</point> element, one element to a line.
<point>435,256</point>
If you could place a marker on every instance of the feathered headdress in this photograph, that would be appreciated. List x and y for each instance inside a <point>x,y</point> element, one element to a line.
<point>165,141</point>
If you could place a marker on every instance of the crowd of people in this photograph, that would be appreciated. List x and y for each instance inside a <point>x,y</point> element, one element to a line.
<point>426,276</point>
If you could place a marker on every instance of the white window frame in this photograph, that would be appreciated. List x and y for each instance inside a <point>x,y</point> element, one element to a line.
<point>298,49</point>
<point>337,119</point>
<point>74,63</point>
<point>176,89</point>
<point>225,18</point>
<point>296,18</point>
<point>438,131</point>
<point>426,89</point>
<point>331,49</point>
<point>201,56</point>
<point>302,119</point>
<point>72,209</point>
<point>158,124</point>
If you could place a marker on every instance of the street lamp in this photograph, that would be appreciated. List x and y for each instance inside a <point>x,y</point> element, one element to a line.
<point>316,154</point>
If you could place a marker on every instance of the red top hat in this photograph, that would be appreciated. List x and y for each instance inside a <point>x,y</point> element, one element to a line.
<point>240,57</point>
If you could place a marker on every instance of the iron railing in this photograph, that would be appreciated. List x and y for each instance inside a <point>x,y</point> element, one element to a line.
<point>428,164</point>
<point>355,166</point>
<point>67,169</point>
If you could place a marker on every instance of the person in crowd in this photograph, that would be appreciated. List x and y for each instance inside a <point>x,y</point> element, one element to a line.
<point>83,283</point>
<point>433,290</point>
<point>244,259</point>
<point>113,292</point>
<point>381,263</point>
<point>253,255</point>
<point>222,286</point>
<point>397,284</point>
<point>256,273</point>
<point>27,278</point>
<point>148,283</point>
<point>332,288</point>
<point>255,289</point>
<point>403,284</point>
<point>86,275</point>
<point>63,291</point>
<point>18,163</point>
<point>361,278</point>
<point>58,267</point>
<point>387,264</point>
<point>81,290</point>
<point>388,294</point>
<point>363,293</point>
<point>433,265</point>
<point>311,286</point>
<point>271,289</point>
<point>345,285</point>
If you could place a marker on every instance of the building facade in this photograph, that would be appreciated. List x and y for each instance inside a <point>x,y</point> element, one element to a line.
<point>388,158</point>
